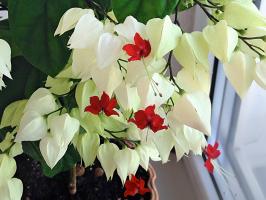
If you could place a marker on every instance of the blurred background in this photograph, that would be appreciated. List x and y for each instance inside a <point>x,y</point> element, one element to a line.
<point>239,126</point>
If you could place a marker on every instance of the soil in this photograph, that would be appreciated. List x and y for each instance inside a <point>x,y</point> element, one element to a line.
<point>91,186</point>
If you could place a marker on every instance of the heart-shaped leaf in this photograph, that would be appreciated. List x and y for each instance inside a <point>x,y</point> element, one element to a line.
<point>33,23</point>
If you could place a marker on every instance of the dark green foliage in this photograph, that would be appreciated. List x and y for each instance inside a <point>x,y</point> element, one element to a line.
<point>143,10</point>
<point>33,23</point>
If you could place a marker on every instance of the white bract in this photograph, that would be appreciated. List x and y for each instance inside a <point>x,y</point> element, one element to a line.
<point>33,125</point>
<point>42,97</point>
<point>127,162</point>
<point>70,19</point>
<point>86,33</point>
<point>10,188</point>
<point>192,82</point>
<point>194,110</point>
<point>105,156</point>
<point>163,36</point>
<point>222,40</point>
<point>54,145</point>
<point>5,61</point>
<point>241,15</point>
<point>260,74</point>
<point>240,72</point>
<point>129,28</point>
<point>259,43</point>
<point>192,51</point>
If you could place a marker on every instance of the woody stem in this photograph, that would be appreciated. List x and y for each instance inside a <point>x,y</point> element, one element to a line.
<point>72,187</point>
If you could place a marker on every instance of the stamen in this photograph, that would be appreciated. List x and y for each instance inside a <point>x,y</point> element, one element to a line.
<point>154,84</point>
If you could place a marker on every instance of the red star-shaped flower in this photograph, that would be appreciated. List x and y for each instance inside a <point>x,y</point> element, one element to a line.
<point>148,118</point>
<point>104,104</point>
<point>141,48</point>
<point>135,186</point>
<point>212,153</point>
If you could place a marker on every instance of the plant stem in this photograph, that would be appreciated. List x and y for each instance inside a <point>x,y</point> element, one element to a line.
<point>252,38</point>
<point>101,10</point>
<point>59,109</point>
<point>252,47</point>
<point>211,17</point>
<point>124,140</point>
<point>73,181</point>
<point>244,39</point>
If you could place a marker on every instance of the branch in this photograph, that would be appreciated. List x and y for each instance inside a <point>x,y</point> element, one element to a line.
<point>101,10</point>
<point>72,187</point>
<point>211,17</point>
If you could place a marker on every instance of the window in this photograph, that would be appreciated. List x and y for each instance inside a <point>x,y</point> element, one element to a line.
<point>240,126</point>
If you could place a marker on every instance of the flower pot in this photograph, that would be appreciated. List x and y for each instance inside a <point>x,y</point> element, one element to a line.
<point>37,186</point>
<point>152,184</point>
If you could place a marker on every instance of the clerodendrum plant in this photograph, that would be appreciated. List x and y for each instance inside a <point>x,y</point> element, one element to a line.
<point>116,97</point>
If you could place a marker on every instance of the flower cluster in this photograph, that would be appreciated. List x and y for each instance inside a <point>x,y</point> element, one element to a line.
<point>118,99</point>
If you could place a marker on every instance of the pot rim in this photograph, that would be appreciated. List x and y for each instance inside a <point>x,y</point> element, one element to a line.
<point>151,183</point>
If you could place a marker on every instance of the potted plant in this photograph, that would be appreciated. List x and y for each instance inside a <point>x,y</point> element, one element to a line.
<point>92,96</point>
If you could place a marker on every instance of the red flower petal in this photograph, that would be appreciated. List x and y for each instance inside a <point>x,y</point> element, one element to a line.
<point>131,189</point>
<point>148,118</point>
<point>131,49</point>
<point>157,123</point>
<point>135,186</point>
<point>92,109</point>
<point>142,189</point>
<point>212,151</point>
<point>139,41</point>
<point>104,104</point>
<point>134,58</point>
<point>147,49</point>
<point>141,48</point>
<point>105,99</point>
<point>140,119</point>
<point>149,111</point>
<point>95,107</point>
<point>216,145</point>
<point>209,166</point>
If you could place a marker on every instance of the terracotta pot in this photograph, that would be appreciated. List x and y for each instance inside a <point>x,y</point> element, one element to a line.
<point>152,185</point>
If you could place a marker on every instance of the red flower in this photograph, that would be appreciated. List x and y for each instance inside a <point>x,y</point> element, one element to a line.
<point>135,186</point>
<point>141,48</point>
<point>148,118</point>
<point>104,104</point>
<point>212,153</point>
<point>209,166</point>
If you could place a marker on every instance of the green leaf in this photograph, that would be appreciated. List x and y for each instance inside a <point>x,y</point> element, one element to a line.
<point>33,23</point>
<point>143,10</point>
<point>105,4</point>
<point>22,80</point>
<point>5,34</point>
<point>66,163</point>
<point>13,113</point>
<point>35,80</point>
